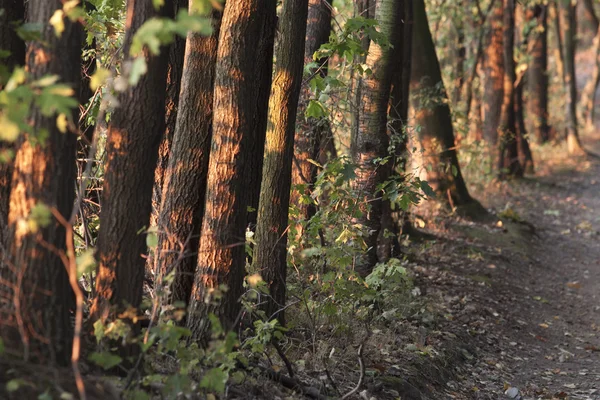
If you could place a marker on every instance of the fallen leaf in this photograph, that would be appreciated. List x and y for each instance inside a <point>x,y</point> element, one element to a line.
<point>574,285</point>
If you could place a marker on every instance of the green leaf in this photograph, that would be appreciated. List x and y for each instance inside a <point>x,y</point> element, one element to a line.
<point>176,385</point>
<point>315,110</point>
<point>152,239</point>
<point>214,380</point>
<point>105,359</point>
<point>427,189</point>
<point>85,263</point>
<point>138,69</point>
<point>40,217</point>
<point>1,346</point>
<point>45,396</point>
<point>14,384</point>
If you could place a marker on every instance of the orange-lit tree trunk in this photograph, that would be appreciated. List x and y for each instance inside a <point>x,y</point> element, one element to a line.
<point>262,90</point>
<point>493,83</point>
<point>567,12</point>
<point>134,134</point>
<point>184,189</point>
<point>270,252</point>
<point>44,173</point>
<point>13,12</point>
<point>436,133</point>
<point>174,73</point>
<point>537,74</point>
<point>508,158</point>
<point>371,141</point>
<point>310,132</point>
<point>588,95</point>
<point>221,256</point>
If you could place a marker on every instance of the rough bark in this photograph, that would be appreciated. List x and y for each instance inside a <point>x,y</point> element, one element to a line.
<point>262,90</point>
<point>311,132</point>
<point>493,83</point>
<point>174,72</point>
<point>537,75</point>
<point>507,160</point>
<point>13,13</point>
<point>134,134</point>
<point>588,95</point>
<point>182,207</point>
<point>568,21</point>
<point>44,173</point>
<point>270,252</point>
<point>371,141</point>
<point>523,149</point>
<point>221,256</point>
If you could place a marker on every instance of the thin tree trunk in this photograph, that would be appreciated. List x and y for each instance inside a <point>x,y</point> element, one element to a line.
<point>568,22</point>
<point>558,49</point>
<point>174,73</point>
<point>537,75</point>
<point>311,132</point>
<point>44,173</point>
<point>13,12</point>
<point>184,188</point>
<point>523,150</point>
<point>270,253</point>
<point>436,133</point>
<point>493,84</point>
<point>372,141</point>
<point>221,254</point>
<point>134,135</point>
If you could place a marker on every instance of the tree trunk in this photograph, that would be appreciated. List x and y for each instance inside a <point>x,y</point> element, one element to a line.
<point>270,253</point>
<point>184,189</point>
<point>568,22</point>
<point>310,132</point>
<point>537,74</point>
<point>262,90</point>
<point>174,73</point>
<point>493,84</point>
<point>134,134</point>
<point>44,173</point>
<point>558,49</point>
<point>588,95</point>
<point>523,150</point>
<point>14,10</point>
<point>221,253</point>
<point>436,133</point>
<point>372,141</point>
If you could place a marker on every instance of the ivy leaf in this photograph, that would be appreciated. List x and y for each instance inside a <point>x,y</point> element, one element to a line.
<point>105,359</point>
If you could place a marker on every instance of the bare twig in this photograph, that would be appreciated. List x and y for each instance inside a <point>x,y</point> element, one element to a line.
<point>361,364</point>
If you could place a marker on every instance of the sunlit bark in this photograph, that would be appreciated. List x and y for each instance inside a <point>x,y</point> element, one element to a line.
<point>588,95</point>
<point>493,83</point>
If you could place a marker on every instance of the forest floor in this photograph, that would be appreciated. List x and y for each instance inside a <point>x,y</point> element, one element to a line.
<point>517,301</point>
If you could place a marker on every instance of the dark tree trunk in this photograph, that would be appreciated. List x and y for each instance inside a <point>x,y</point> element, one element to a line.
<point>184,189</point>
<point>44,173</point>
<point>13,13</point>
<point>493,84</point>
<point>134,135</point>
<point>537,75</point>
<point>436,133</point>
<point>569,25</point>
<point>174,73</point>
<point>311,132</point>
<point>221,257</point>
<point>262,90</point>
<point>523,150</point>
<point>270,253</point>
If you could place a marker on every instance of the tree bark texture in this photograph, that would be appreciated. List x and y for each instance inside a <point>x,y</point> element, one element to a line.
<point>44,173</point>
<point>13,13</point>
<point>588,95</point>
<point>134,135</point>
<point>567,12</point>
<point>174,73</point>
<point>311,132</point>
<point>537,75</point>
<point>436,133</point>
<point>184,189</point>
<point>270,252</point>
<point>221,256</point>
<point>371,141</point>
<point>262,90</point>
<point>493,83</point>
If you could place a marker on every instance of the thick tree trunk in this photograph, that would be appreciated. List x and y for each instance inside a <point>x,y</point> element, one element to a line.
<point>568,22</point>
<point>372,140</point>
<point>13,12</point>
<point>311,132</point>
<point>270,253</point>
<point>507,160</point>
<point>221,257</point>
<point>588,95</point>
<point>523,150</point>
<point>174,73</point>
<point>537,75</point>
<point>493,83</point>
<point>184,189</point>
<point>44,173</point>
<point>134,134</point>
<point>436,133</point>
<point>558,49</point>
<point>262,90</point>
